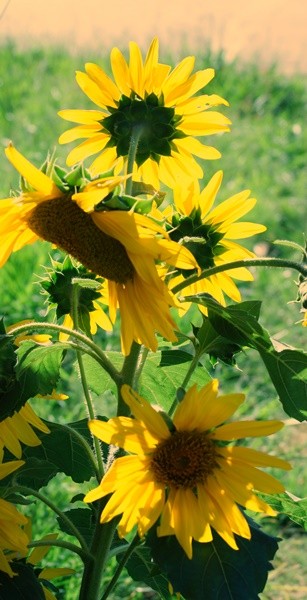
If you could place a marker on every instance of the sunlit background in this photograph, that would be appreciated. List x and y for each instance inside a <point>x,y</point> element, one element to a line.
<point>271,30</point>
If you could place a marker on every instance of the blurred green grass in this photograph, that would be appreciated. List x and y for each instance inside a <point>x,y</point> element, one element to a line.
<point>265,152</point>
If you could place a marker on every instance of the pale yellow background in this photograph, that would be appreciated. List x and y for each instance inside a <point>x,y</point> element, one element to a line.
<point>268,29</point>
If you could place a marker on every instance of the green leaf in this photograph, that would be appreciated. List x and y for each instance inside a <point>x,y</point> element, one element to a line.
<point>25,586</point>
<point>99,381</point>
<point>287,369</point>
<point>217,346</point>
<point>39,365</point>
<point>296,510</point>
<point>159,384</point>
<point>62,448</point>
<point>216,571</point>
<point>82,518</point>
<point>141,568</point>
<point>35,473</point>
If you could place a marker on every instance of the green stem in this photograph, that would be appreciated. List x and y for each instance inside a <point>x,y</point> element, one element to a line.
<point>130,373</point>
<point>104,361</point>
<point>135,542</point>
<point>134,142</point>
<point>188,375</point>
<point>86,391</point>
<point>22,489</point>
<point>247,262</point>
<point>102,540</point>
<point>61,544</point>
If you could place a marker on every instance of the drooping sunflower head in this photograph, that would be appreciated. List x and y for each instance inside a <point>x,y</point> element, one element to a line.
<point>104,231</point>
<point>152,105</point>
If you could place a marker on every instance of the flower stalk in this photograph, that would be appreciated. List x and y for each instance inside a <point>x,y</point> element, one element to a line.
<point>247,262</point>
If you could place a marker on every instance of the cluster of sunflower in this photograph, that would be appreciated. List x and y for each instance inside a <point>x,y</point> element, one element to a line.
<point>142,246</point>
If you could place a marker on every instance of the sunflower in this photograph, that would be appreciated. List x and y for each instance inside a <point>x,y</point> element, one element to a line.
<point>183,471</point>
<point>211,233</point>
<point>12,537</point>
<point>18,429</point>
<point>120,246</point>
<point>154,105</point>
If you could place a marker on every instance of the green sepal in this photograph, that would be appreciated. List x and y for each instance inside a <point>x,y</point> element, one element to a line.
<point>78,177</point>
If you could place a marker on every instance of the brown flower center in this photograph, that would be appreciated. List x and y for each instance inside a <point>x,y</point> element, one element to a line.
<point>62,222</point>
<point>184,460</point>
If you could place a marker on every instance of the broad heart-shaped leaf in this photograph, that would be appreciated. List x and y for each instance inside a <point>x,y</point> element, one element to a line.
<point>287,369</point>
<point>82,518</point>
<point>63,448</point>
<point>35,473</point>
<point>141,568</point>
<point>296,510</point>
<point>216,571</point>
<point>40,365</point>
<point>24,586</point>
<point>159,384</point>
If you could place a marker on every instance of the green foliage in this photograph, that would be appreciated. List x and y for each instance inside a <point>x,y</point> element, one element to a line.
<point>270,140</point>
<point>141,567</point>
<point>74,457</point>
<point>217,572</point>
<point>39,366</point>
<point>294,508</point>
<point>23,587</point>
<point>82,519</point>
<point>287,369</point>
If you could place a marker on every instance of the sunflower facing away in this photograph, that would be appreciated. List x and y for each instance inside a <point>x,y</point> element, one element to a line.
<point>120,246</point>
<point>211,235</point>
<point>152,103</point>
<point>12,537</point>
<point>185,475</point>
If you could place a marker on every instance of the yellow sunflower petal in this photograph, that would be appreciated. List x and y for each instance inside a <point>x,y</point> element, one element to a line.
<point>125,432</point>
<point>82,116</point>
<point>81,131</point>
<point>190,414</point>
<point>9,467</point>
<point>87,148</point>
<point>253,457</point>
<point>242,429</point>
<point>120,71</point>
<point>143,411</point>
<point>34,176</point>
<point>195,147</point>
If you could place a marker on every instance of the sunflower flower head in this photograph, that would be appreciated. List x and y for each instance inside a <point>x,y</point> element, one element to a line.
<point>211,234</point>
<point>121,246</point>
<point>152,104</point>
<point>189,475</point>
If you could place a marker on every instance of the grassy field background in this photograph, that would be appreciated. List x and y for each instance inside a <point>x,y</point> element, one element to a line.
<point>265,152</point>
